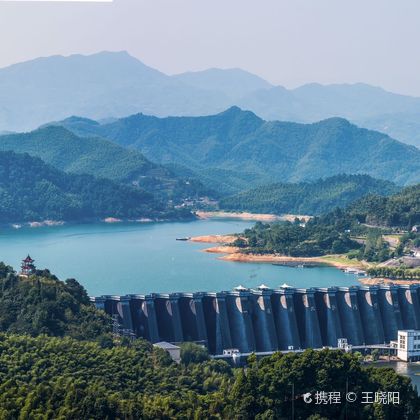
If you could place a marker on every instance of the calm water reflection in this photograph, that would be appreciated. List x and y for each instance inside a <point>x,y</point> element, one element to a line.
<point>412,370</point>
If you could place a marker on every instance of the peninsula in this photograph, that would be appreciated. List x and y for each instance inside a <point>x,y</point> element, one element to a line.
<point>224,245</point>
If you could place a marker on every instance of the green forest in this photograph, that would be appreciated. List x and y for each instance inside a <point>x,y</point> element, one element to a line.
<point>64,378</point>
<point>59,360</point>
<point>42,304</point>
<point>101,158</point>
<point>334,232</point>
<point>31,190</point>
<point>309,198</point>
<point>311,239</point>
<point>401,210</point>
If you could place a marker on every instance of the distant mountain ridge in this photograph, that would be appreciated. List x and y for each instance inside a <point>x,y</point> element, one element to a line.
<point>239,144</point>
<point>233,83</point>
<point>97,86</point>
<point>115,84</point>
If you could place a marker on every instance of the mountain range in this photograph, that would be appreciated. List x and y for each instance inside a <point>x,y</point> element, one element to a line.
<point>235,150</point>
<point>106,85</point>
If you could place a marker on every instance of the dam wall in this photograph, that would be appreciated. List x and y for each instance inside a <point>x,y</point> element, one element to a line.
<point>266,320</point>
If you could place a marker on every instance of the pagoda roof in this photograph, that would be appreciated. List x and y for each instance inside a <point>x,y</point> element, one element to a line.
<point>28,259</point>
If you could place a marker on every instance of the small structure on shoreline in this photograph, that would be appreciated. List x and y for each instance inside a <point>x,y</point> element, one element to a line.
<point>27,267</point>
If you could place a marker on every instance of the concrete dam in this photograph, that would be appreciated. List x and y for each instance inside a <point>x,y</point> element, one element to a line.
<point>266,320</point>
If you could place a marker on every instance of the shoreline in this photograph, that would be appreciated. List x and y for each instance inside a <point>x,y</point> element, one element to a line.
<point>382,280</point>
<point>247,216</point>
<point>214,239</point>
<point>105,221</point>
<point>234,254</point>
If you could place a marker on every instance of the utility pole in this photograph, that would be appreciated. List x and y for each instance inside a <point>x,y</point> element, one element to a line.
<point>347,391</point>
<point>293,401</point>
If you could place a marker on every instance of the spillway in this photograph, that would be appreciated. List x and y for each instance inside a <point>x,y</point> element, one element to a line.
<point>265,320</point>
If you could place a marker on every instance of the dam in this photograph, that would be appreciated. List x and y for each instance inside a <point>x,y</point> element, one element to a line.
<point>267,320</point>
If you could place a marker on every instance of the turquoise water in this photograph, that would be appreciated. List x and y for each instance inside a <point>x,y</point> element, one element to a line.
<point>412,370</point>
<point>145,258</point>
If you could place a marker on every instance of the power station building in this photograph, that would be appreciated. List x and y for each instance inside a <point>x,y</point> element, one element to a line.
<point>408,345</point>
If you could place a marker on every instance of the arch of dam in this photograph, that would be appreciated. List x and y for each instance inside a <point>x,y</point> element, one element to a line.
<point>266,320</point>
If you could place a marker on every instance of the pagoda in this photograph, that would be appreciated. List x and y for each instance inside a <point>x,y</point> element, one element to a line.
<point>27,266</point>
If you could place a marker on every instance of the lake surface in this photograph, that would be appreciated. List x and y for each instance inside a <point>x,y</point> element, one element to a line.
<point>412,370</point>
<point>143,258</point>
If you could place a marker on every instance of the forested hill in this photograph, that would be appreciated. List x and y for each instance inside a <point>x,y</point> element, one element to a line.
<point>238,142</point>
<point>310,198</point>
<point>102,158</point>
<point>334,232</point>
<point>398,210</point>
<point>42,304</point>
<point>31,190</point>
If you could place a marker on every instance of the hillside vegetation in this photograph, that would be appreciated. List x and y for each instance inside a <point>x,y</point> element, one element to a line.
<point>31,190</point>
<point>312,198</point>
<point>238,142</point>
<point>69,379</point>
<point>398,210</point>
<point>335,232</point>
<point>101,158</point>
<point>42,304</point>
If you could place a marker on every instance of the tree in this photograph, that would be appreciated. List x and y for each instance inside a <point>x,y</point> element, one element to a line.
<point>193,353</point>
<point>375,354</point>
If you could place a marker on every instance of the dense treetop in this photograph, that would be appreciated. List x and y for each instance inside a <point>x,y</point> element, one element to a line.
<point>69,379</point>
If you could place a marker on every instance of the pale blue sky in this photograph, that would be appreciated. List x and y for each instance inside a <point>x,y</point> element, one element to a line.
<point>288,42</point>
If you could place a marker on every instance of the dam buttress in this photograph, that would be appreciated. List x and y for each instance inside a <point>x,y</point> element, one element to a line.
<point>266,320</point>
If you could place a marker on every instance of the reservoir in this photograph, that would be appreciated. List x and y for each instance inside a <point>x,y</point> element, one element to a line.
<point>119,259</point>
<point>412,370</point>
<point>125,258</point>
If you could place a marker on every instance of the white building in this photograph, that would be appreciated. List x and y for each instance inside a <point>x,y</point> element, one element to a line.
<point>174,351</point>
<point>409,345</point>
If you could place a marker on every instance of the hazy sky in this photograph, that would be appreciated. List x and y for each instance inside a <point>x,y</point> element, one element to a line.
<point>288,42</point>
